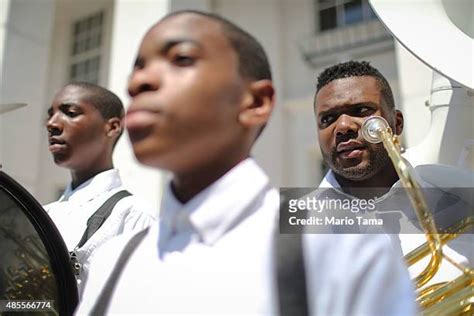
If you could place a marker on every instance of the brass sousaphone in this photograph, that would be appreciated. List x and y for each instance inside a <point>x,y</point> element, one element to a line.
<point>440,33</point>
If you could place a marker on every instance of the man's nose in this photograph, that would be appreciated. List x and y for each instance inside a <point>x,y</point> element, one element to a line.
<point>145,79</point>
<point>54,125</point>
<point>346,125</point>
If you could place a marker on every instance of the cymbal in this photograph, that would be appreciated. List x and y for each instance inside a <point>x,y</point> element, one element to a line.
<point>10,107</point>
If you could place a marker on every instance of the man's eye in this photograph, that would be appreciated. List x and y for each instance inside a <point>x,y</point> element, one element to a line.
<point>183,60</point>
<point>71,113</point>
<point>361,110</point>
<point>327,119</point>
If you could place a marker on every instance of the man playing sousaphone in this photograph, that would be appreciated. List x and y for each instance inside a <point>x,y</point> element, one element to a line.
<point>347,95</point>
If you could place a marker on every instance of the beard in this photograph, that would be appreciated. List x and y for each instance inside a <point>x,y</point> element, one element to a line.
<point>377,159</point>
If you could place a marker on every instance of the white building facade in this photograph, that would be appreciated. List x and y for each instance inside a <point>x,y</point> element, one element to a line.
<point>46,43</point>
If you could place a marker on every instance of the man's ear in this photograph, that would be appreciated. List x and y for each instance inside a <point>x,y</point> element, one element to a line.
<point>114,127</point>
<point>258,104</point>
<point>398,122</point>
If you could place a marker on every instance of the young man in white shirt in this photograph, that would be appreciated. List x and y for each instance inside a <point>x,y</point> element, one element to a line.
<point>84,123</point>
<point>201,93</point>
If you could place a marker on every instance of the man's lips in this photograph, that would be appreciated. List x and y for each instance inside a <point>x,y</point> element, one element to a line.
<point>56,144</point>
<point>140,122</point>
<point>139,119</point>
<point>351,154</point>
<point>350,149</point>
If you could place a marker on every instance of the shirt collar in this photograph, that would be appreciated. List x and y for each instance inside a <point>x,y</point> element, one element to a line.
<point>330,182</point>
<point>100,183</point>
<point>216,209</point>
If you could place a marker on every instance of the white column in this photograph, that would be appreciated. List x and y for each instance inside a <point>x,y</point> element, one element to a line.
<point>200,5</point>
<point>130,22</point>
<point>4,7</point>
<point>27,29</point>
<point>269,150</point>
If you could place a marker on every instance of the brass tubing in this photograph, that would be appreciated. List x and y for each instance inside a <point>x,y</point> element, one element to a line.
<point>455,297</point>
<point>459,303</point>
<point>450,234</point>
<point>427,291</point>
<point>423,214</point>
<point>449,289</point>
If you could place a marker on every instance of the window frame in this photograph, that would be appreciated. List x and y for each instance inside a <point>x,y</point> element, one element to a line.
<point>340,10</point>
<point>85,51</point>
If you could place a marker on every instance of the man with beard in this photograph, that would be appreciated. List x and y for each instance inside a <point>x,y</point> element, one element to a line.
<point>84,123</point>
<point>347,94</point>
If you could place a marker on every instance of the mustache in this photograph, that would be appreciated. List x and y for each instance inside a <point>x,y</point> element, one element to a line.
<point>349,135</point>
<point>353,140</point>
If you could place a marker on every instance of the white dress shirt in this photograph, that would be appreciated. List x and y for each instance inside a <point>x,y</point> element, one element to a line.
<point>440,180</point>
<point>71,212</point>
<point>213,255</point>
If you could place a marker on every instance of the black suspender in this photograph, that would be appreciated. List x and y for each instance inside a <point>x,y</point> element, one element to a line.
<point>94,223</point>
<point>291,276</point>
<point>98,218</point>
<point>103,301</point>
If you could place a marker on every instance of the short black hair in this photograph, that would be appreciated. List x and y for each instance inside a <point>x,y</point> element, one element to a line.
<point>356,69</point>
<point>105,101</point>
<point>253,61</point>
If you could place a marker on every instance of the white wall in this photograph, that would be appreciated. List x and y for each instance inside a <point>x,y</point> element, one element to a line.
<point>296,24</point>
<point>27,43</point>
<point>200,5</point>
<point>261,19</point>
<point>131,21</point>
<point>4,9</point>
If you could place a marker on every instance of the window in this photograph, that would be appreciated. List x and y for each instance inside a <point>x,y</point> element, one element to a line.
<point>86,48</point>
<point>332,14</point>
<point>344,29</point>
